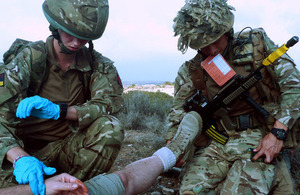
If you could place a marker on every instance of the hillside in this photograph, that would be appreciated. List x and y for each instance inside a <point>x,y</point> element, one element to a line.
<point>168,89</point>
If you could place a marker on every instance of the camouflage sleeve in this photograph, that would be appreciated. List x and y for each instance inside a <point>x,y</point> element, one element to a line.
<point>183,89</point>
<point>12,90</point>
<point>106,94</point>
<point>288,77</point>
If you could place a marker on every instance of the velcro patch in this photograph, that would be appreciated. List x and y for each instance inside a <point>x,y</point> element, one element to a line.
<point>2,80</point>
<point>119,81</point>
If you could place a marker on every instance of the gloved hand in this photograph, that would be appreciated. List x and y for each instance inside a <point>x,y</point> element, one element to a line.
<point>38,107</point>
<point>29,169</point>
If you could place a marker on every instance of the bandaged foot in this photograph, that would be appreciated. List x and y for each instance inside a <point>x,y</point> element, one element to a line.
<point>189,128</point>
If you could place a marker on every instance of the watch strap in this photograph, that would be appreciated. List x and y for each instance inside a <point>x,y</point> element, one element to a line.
<point>63,110</point>
<point>279,133</point>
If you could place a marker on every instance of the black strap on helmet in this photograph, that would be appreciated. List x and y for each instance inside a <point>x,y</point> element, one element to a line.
<point>65,50</point>
<point>56,36</point>
<point>55,33</point>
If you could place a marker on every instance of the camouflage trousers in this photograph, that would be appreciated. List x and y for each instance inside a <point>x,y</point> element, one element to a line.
<point>84,154</point>
<point>229,165</point>
<point>284,182</point>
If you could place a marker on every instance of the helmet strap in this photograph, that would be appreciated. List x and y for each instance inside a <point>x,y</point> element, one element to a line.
<point>91,57</point>
<point>91,46</point>
<point>56,36</point>
<point>54,32</point>
<point>65,50</point>
<point>229,36</point>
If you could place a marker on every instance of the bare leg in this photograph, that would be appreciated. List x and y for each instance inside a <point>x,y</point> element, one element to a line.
<point>138,176</point>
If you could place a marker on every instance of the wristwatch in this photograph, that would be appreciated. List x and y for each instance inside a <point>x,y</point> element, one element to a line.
<point>63,110</point>
<point>279,133</point>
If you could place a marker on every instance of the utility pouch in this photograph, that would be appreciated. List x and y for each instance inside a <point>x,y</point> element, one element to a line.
<point>245,121</point>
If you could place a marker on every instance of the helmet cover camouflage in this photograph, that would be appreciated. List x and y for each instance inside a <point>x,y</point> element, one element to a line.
<point>83,19</point>
<point>201,22</point>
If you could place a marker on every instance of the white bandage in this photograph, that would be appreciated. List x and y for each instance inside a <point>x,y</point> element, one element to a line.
<point>105,184</point>
<point>167,157</point>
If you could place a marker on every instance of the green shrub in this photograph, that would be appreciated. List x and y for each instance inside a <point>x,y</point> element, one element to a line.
<point>145,110</point>
<point>167,83</point>
<point>132,86</point>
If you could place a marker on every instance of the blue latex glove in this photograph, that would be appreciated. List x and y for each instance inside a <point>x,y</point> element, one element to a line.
<point>29,169</point>
<point>38,107</point>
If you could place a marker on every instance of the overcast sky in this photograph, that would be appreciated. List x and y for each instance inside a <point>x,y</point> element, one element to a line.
<point>139,37</point>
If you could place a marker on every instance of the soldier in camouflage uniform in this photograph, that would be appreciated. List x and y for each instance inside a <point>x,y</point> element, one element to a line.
<point>65,96</point>
<point>213,168</point>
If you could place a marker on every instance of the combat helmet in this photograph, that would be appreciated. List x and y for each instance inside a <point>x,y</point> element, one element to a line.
<point>201,22</point>
<point>83,19</point>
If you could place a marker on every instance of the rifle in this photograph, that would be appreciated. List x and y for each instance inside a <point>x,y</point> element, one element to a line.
<point>236,88</point>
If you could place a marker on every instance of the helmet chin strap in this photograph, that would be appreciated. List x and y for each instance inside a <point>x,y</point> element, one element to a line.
<point>63,48</point>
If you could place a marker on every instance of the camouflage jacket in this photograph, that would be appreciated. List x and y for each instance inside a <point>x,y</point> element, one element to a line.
<point>285,75</point>
<point>101,82</point>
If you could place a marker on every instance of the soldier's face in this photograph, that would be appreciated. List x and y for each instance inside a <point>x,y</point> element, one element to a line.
<point>217,47</point>
<point>72,43</point>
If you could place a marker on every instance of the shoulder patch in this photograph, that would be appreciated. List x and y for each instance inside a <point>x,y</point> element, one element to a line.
<point>120,81</point>
<point>2,80</point>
